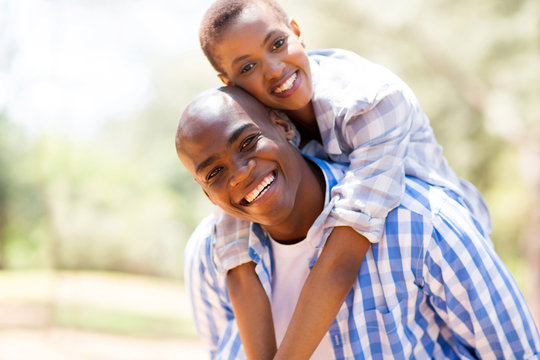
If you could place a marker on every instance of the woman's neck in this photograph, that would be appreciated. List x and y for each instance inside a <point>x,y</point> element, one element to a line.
<point>306,123</point>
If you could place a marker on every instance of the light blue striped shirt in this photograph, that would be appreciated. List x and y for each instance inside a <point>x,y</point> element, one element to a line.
<point>371,120</point>
<point>433,287</point>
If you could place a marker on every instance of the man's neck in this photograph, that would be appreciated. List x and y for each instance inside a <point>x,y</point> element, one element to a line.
<point>308,205</point>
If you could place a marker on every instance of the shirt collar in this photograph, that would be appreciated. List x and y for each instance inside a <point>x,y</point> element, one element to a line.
<point>259,244</point>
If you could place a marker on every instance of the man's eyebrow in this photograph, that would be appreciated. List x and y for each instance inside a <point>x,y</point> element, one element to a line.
<point>235,135</point>
<point>203,164</point>
<point>266,38</point>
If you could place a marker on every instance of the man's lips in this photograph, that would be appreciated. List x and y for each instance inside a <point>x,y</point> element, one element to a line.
<point>259,190</point>
<point>286,87</point>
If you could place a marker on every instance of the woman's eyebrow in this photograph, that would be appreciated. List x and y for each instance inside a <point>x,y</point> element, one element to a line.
<point>239,58</point>
<point>268,36</point>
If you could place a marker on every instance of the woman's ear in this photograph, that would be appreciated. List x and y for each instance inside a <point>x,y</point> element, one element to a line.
<point>225,79</point>
<point>283,124</point>
<point>296,30</point>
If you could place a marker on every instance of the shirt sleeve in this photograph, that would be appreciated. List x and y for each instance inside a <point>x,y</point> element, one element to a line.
<point>376,138</point>
<point>474,294</point>
<point>231,244</point>
<point>211,307</point>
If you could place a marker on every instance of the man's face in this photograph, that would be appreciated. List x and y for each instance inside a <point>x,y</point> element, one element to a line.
<point>242,161</point>
<point>264,56</point>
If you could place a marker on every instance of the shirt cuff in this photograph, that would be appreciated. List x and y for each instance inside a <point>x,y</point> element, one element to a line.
<point>230,255</point>
<point>230,247</point>
<point>370,227</point>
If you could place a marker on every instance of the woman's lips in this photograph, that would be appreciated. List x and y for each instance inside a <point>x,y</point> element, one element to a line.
<point>288,86</point>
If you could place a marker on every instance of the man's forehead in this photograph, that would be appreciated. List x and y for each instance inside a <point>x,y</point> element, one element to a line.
<point>214,131</point>
<point>219,110</point>
<point>224,120</point>
<point>226,108</point>
<point>213,105</point>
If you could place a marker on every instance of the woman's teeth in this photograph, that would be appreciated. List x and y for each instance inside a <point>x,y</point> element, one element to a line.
<point>287,84</point>
<point>260,189</point>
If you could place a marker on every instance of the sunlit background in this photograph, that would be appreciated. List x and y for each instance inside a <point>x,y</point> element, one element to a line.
<point>95,208</point>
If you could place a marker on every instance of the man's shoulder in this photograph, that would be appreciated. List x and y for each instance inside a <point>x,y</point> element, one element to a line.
<point>431,201</point>
<point>201,238</point>
<point>205,228</point>
<point>417,197</point>
<point>333,171</point>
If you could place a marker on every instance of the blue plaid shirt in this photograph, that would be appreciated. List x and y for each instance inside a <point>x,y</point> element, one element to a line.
<point>371,120</point>
<point>433,287</point>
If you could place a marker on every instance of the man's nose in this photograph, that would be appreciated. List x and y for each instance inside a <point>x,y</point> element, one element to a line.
<point>242,171</point>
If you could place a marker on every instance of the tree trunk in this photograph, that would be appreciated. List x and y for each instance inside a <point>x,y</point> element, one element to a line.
<point>530,157</point>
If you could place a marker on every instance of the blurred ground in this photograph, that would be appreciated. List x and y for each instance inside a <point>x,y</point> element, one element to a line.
<point>63,344</point>
<point>94,316</point>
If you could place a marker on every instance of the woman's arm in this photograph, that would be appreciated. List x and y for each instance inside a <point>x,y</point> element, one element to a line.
<point>373,185</point>
<point>252,311</point>
<point>324,291</point>
<point>378,139</point>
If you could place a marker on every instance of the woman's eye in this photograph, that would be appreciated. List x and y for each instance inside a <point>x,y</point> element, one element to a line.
<point>246,68</point>
<point>279,43</point>
<point>213,173</point>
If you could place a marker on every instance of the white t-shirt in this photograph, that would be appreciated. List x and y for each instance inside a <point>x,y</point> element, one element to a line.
<point>291,269</point>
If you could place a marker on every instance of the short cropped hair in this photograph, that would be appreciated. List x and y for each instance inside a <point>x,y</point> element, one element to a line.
<point>221,14</point>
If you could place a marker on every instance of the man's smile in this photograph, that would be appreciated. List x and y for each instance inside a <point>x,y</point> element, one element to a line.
<point>259,190</point>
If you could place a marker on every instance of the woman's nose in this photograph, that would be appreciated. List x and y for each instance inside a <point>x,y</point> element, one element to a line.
<point>274,69</point>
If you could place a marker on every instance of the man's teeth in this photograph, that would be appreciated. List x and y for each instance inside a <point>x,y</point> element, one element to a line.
<point>260,189</point>
<point>287,84</point>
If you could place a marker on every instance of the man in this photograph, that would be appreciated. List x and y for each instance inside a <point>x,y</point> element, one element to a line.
<point>432,288</point>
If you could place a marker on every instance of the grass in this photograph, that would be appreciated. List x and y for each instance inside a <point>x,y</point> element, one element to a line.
<point>119,304</point>
<point>122,322</point>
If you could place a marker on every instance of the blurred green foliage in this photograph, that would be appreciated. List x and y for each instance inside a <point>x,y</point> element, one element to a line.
<point>121,200</point>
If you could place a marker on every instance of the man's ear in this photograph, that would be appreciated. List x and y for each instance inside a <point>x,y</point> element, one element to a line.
<point>283,124</point>
<point>202,188</point>
<point>296,30</point>
<point>225,79</point>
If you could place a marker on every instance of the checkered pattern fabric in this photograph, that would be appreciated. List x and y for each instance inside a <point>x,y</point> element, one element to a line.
<point>432,287</point>
<point>370,119</point>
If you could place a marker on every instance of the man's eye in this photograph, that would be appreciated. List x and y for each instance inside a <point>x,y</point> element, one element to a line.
<point>213,173</point>
<point>248,141</point>
<point>246,68</point>
<point>278,43</point>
